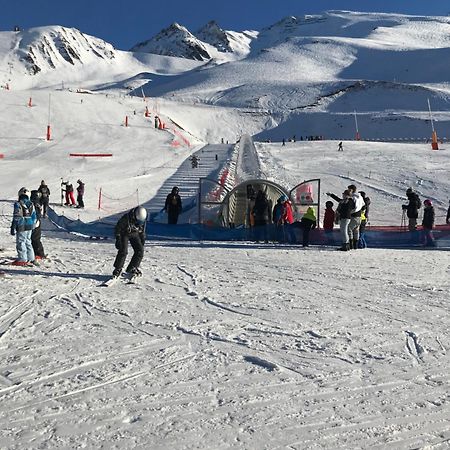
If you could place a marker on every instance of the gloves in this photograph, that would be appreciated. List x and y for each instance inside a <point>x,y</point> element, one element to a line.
<point>13,231</point>
<point>117,242</point>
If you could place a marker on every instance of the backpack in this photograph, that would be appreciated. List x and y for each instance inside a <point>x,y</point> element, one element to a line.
<point>27,210</point>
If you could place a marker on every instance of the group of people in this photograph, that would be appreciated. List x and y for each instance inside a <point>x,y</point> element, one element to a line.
<point>67,193</point>
<point>29,210</point>
<point>352,215</point>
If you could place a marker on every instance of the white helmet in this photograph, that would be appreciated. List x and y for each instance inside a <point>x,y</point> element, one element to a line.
<point>23,191</point>
<point>140,214</point>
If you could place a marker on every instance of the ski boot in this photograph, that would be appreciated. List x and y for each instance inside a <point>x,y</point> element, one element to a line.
<point>135,272</point>
<point>116,273</point>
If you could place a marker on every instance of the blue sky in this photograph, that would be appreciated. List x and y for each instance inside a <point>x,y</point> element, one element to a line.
<point>125,23</point>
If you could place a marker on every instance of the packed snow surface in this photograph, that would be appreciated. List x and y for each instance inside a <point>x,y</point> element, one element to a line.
<point>220,344</point>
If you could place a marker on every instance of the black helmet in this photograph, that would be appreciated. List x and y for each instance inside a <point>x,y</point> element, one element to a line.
<point>175,190</point>
<point>140,214</point>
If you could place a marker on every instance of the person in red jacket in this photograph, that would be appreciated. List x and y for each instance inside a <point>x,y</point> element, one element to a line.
<point>287,220</point>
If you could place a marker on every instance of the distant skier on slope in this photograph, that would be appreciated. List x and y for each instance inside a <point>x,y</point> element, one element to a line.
<point>130,227</point>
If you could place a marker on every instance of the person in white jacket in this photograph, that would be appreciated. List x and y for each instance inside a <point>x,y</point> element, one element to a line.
<point>355,219</point>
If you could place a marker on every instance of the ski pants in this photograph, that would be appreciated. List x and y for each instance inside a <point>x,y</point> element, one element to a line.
<point>24,247</point>
<point>306,231</point>
<point>36,242</point>
<point>172,217</point>
<point>353,228</point>
<point>138,248</point>
<point>412,223</point>
<point>44,204</point>
<point>70,198</point>
<point>343,226</point>
<point>80,201</point>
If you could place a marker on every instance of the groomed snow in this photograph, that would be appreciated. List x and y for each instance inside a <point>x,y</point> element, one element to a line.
<point>220,345</point>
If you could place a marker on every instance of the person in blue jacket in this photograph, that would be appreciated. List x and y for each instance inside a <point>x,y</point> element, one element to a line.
<point>24,220</point>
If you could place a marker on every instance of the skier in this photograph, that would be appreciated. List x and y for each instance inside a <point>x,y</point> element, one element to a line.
<point>70,199</point>
<point>412,209</point>
<point>340,147</point>
<point>428,223</point>
<point>80,194</point>
<point>24,219</point>
<point>173,206</point>
<point>194,161</point>
<point>45,197</point>
<point>130,227</point>
<point>38,248</point>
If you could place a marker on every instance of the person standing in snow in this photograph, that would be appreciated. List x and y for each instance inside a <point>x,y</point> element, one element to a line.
<point>308,222</point>
<point>45,197</point>
<point>343,214</point>
<point>277,219</point>
<point>447,220</point>
<point>130,228</point>
<point>36,234</point>
<point>355,218</point>
<point>24,219</point>
<point>328,221</point>
<point>412,209</point>
<point>173,206</point>
<point>428,223</point>
<point>70,199</point>
<point>364,220</point>
<point>262,212</point>
<point>340,147</point>
<point>80,194</point>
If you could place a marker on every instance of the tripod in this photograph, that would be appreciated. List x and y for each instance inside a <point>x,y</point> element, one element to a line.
<point>403,223</point>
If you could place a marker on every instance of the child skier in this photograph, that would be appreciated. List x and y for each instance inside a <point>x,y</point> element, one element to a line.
<point>307,223</point>
<point>328,221</point>
<point>130,227</point>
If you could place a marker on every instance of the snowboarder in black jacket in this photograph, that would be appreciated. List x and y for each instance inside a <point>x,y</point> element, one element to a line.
<point>173,206</point>
<point>130,227</point>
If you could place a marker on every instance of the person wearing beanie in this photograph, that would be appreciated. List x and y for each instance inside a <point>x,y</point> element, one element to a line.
<point>24,219</point>
<point>308,222</point>
<point>80,194</point>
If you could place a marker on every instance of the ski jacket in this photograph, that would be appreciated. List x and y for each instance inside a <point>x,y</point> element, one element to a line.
<point>127,225</point>
<point>288,213</point>
<point>345,208</point>
<point>412,209</point>
<point>262,210</point>
<point>36,203</point>
<point>173,203</point>
<point>428,218</point>
<point>24,215</point>
<point>44,190</point>
<point>80,189</point>
<point>309,219</point>
<point>278,212</point>
<point>328,219</point>
<point>69,188</point>
<point>359,204</point>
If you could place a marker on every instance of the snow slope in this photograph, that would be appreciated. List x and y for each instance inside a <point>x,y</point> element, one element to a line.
<point>220,345</point>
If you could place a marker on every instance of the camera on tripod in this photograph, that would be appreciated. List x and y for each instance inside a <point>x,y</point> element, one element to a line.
<point>404,207</point>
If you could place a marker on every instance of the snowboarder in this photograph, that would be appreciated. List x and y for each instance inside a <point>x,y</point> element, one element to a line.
<point>340,147</point>
<point>173,206</point>
<point>36,234</point>
<point>130,227</point>
<point>194,161</point>
<point>412,209</point>
<point>80,194</point>
<point>24,219</point>
<point>45,197</point>
<point>70,199</point>
<point>428,223</point>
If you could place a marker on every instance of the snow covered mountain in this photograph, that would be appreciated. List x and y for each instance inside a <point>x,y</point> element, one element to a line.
<point>42,48</point>
<point>209,42</point>
<point>175,40</point>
